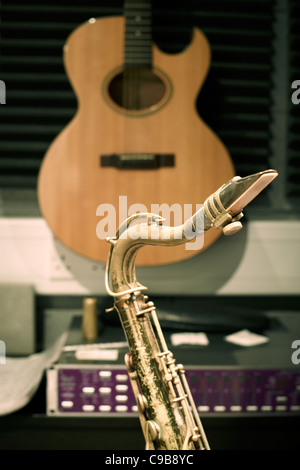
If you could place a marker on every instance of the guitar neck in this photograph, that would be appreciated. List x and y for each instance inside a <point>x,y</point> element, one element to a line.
<point>138,33</point>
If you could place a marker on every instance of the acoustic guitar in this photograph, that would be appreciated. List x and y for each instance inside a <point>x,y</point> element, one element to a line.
<point>136,140</point>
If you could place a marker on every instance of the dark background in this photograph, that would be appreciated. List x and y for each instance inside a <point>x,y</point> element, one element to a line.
<point>246,98</point>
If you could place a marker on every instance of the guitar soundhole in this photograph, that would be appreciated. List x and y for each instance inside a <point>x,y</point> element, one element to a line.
<point>136,89</point>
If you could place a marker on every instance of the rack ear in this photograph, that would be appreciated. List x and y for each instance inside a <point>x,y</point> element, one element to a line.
<point>2,92</point>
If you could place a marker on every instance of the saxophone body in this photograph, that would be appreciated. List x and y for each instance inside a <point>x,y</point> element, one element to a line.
<point>167,412</point>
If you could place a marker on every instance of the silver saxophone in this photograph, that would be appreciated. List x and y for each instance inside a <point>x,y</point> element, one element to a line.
<point>167,412</point>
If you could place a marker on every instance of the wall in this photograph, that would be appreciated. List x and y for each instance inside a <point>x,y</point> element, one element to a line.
<point>261,259</point>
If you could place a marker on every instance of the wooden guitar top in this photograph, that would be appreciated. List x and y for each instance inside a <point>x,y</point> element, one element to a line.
<point>86,174</point>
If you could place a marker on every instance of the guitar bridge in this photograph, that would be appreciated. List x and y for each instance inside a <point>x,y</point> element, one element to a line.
<point>131,161</point>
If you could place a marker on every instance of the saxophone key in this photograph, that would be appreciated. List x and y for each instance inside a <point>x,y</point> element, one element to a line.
<point>183,397</point>
<point>111,309</point>
<point>142,402</point>
<point>129,362</point>
<point>152,429</point>
<point>168,377</point>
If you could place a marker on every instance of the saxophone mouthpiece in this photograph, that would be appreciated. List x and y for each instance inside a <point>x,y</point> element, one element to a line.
<point>224,207</point>
<point>238,192</point>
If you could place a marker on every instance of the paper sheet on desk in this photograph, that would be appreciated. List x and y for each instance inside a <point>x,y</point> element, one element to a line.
<point>194,339</point>
<point>20,377</point>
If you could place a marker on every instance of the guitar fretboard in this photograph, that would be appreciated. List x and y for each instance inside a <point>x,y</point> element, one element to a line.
<point>138,33</point>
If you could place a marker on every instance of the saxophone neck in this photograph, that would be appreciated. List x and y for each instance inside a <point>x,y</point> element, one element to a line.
<point>223,210</point>
<point>134,232</point>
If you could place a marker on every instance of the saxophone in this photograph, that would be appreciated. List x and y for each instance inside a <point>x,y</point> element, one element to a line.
<point>167,412</point>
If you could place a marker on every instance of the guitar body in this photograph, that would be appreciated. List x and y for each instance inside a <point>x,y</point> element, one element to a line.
<point>72,184</point>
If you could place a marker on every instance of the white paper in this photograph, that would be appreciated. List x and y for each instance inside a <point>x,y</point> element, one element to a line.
<point>20,377</point>
<point>97,354</point>
<point>198,339</point>
<point>81,347</point>
<point>246,338</point>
